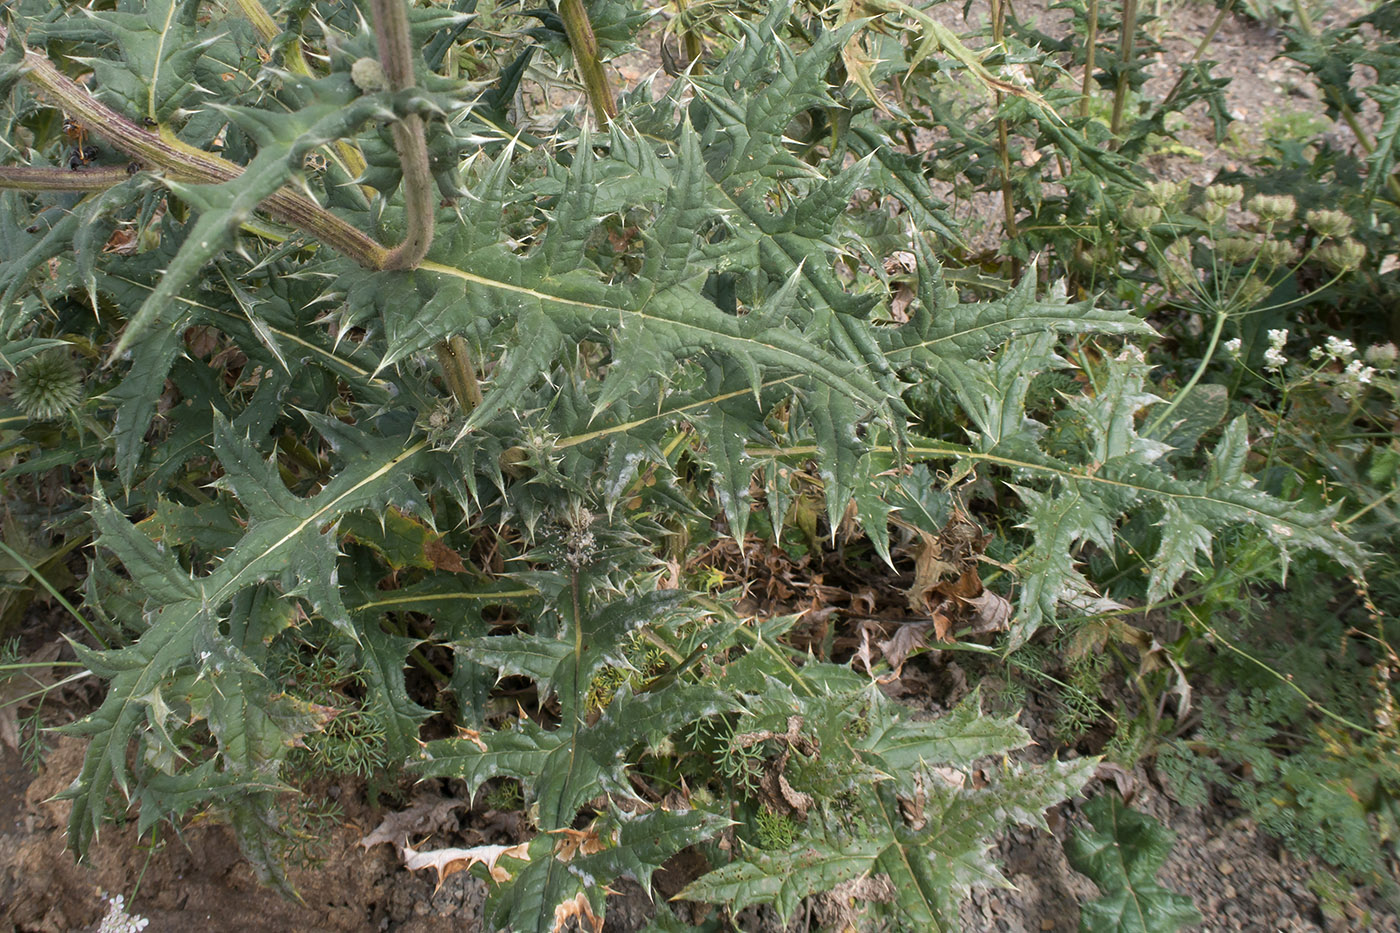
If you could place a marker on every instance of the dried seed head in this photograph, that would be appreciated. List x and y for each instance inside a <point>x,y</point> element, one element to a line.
<point>1210,211</point>
<point>1329,224</point>
<point>1141,217</point>
<point>1277,253</point>
<point>1224,195</point>
<point>1343,256</point>
<point>1273,208</point>
<point>1166,193</point>
<point>1237,248</point>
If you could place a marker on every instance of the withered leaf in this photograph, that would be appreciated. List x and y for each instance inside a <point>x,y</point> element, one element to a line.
<point>450,861</point>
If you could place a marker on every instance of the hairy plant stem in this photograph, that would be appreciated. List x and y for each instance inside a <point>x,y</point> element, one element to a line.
<point>37,178</point>
<point>691,43</point>
<point>1127,46</point>
<point>1008,204</point>
<point>410,136</point>
<point>182,162</point>
<point>455,357</point>
<point>584,44</point>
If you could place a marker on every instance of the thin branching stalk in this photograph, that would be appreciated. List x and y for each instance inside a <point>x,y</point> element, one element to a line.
<point>181,162</point>
<point>1127,47</point>
<point>1201,46</point>
<point>410,136</point>
<point>584,45</point>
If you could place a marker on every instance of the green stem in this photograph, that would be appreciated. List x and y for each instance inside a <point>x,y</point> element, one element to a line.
<point>410,136</point>
<point>1090,49</point>
<point>44,582</point>
<point>1008,204</point>
<point>584,44</point>
<point>1127,46</point>
<point>1220,319</point>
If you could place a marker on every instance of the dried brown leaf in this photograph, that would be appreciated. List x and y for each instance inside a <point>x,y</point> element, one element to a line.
<point>574,842</point>
<point>577,908</point>
<point>448,862</point>
<point>990,613</point>
<point>425,815</point>
<point>907,638</point>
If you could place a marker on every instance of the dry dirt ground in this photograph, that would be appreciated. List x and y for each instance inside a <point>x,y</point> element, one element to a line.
<point>1239,878</point>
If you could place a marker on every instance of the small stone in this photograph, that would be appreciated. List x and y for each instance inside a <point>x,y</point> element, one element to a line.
<point>1230,892</point>
<point>1047,924</point>
<point>1225,868</point>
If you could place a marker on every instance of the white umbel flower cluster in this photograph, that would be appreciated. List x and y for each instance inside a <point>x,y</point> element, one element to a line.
<point>118,920</point>
<point>1274,357</point>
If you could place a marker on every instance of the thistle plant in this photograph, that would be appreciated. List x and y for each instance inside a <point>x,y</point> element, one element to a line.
<point>390,379</point>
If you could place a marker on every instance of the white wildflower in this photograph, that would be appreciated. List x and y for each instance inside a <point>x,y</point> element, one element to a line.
<point>1278,337</point>
<point>1232,346</point>
<point>1274,359</point>
<point>1359,371</point>
<point>118,920</point>
<point>1340,348</point>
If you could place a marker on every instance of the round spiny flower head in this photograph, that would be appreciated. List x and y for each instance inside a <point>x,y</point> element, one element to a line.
<point>47,387</point>
<point>1329,224</point>
<point>1224,195</point>
<point>1273,208</point>
<point>1342,256</point>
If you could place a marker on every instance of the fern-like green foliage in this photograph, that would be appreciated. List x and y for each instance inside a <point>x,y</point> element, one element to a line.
<point>1123,854</point>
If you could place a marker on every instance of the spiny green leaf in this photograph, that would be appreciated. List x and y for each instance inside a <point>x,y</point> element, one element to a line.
<point>1123,854</point>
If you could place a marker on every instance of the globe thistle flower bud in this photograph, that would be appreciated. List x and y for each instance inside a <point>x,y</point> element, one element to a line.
<point>47,386</point>
<point>1329,224</point>
<point>369,75</point>
<point>1273,208</point>
<point>1343,256</point>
